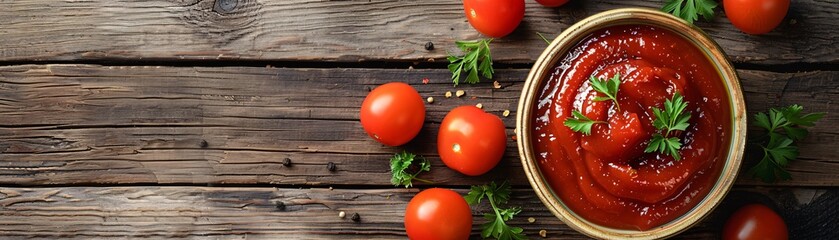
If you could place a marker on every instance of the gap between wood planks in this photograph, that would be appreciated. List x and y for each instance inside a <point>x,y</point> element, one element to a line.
<point>399,64</point>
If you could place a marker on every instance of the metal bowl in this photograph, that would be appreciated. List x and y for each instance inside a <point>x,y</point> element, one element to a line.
<point>548,60</point>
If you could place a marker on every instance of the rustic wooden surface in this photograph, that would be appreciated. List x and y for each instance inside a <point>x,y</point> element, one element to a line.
<point>347,31</point>
<point>312,213</point>
<point>145,125</point>
<point>170,119</point>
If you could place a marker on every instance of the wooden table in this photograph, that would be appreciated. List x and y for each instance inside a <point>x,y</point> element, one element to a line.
<point>157,119</point>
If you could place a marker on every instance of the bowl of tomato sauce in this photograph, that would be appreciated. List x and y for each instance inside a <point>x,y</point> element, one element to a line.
<point>631,124</point>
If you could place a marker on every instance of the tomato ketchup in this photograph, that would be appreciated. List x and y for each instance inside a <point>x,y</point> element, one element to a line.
<point>606,177</point>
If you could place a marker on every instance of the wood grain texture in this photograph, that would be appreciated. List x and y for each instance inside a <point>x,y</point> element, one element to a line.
<point>347,31</point>
<point>88,124</point>
<point>252,213</point>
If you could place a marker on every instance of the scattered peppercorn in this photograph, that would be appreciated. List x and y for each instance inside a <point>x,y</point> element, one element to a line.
<point>287,162</point>
<point>342,214</point>
<point>331,166</point>
<point>204,143</point>
<point>429,46</point>
<point>280,205</point>
<point>355,217</point>
<point>430,100</point>
<point>368,88</point>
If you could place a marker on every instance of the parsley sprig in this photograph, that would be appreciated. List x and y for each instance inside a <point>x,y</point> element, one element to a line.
<point>580,123</point>
<point>609,88</point>
<point>784,126</point>
<point>497,226</point>
<point>477,59</point>
<point>672,118</point>
<point>399,165</point>
<point>689,10</point>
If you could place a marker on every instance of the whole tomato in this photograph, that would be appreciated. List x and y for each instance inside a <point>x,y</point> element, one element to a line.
<point>393,113</point>
<point>471,141</point>
<point>755,221</point>
<point>552,3</point>
<point>756,16</point>
<point>438,213</point>
<point>494,18</point>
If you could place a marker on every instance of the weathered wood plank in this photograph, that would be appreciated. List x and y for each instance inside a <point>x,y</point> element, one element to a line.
<point>157,212</point>
<point>87,124</point>
<point>346,31</point>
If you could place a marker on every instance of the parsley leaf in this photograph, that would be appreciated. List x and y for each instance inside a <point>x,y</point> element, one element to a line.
<point>580,123</point>
<point>497,226</point>
<point>783,126</point>
<point>664,145</point>
<point>672,118</point>
<point>609,88</point>
<point>689,10</point>
<point>477,59</point>
<point>399,165</point>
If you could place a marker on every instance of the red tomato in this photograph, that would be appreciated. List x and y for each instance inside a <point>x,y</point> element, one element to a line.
<point>755,221</point>
<point>393,113</point>
<point>471,141</point>
<point>756,16</point>
<point>494,18</point>
<point>552,3</point>
<point>438,214</point>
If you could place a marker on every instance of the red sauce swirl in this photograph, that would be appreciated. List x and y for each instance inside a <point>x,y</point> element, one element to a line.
<point>606,177</point>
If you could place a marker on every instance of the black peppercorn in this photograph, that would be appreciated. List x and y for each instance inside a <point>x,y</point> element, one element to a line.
<point>286,162</point>
<point>204,143</point>
<point>280,205</point>
<point>331,166</point>
<point>429,46</point>
<point>355,217</point>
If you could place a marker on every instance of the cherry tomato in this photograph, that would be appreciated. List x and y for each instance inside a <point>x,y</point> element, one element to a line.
<point>755,221</point>
<point>393,113</point>
<point>756,16</point>
<point>494,18</point>
<point>471,141</point>
<point>438,213</point>
<point>552,3</point>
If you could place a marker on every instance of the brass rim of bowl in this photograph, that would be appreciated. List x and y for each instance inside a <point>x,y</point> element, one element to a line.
<point>557,49</point>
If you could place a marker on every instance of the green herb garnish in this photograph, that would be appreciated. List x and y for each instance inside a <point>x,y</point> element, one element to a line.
<point>672,118</point>
<point>580,123</point>
<point>497,226</point>
<point>609,88</point>
<point>784,126</point>
<point>477,59</point>
<point>399,165</point>
<point>543,38</point>
<point>689,10</point>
